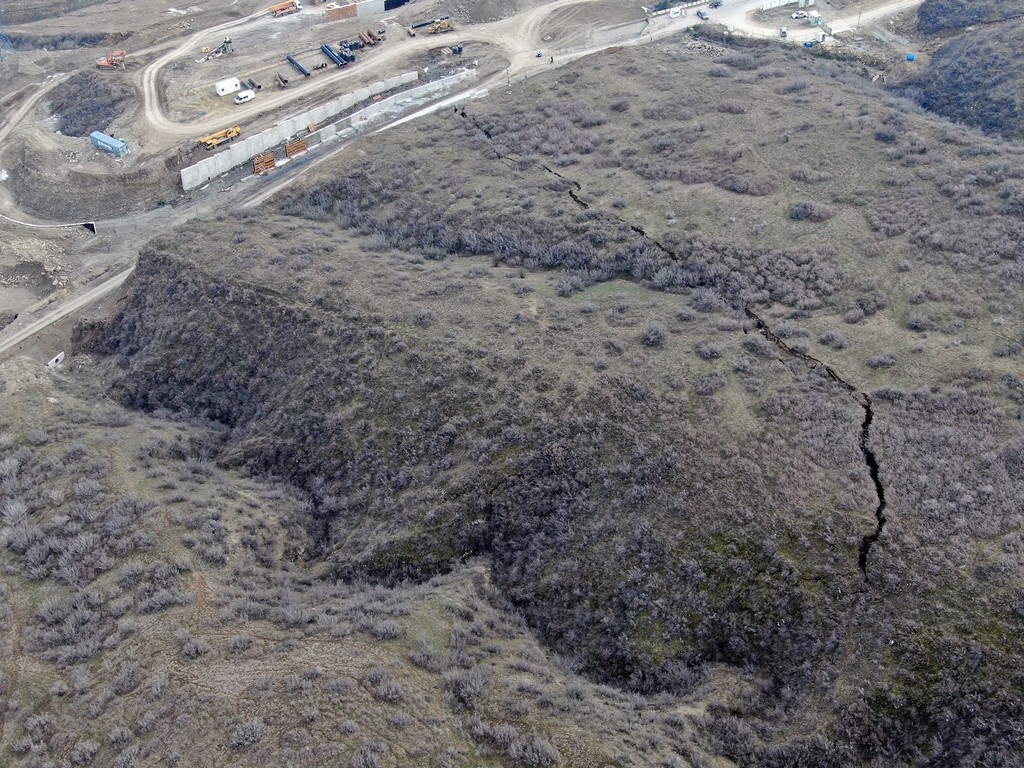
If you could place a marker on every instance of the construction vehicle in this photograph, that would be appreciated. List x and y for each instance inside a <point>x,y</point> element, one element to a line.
<point>220,50</point>
<point>441,25</point>
<point>428,22</point>
<point>283,9</point>
<point>214,140</point>
<point>112,60</point>
<point>366,39</point>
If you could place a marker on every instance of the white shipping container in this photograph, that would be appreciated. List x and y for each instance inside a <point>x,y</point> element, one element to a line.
<point>224,87</point>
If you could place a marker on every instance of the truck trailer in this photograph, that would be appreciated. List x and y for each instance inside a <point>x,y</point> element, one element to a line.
<point>283,9</point>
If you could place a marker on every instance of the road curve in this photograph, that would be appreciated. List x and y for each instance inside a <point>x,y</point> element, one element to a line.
<point>93,294</point>
<point>517,35</point>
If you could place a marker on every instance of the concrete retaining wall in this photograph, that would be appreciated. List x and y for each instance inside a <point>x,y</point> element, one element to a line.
<point>243,151</point>
<point>370,8</point>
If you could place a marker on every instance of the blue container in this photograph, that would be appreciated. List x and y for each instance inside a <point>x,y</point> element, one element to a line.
<point>808,44</point>
<point>911,56</point>
<point>109,144</point>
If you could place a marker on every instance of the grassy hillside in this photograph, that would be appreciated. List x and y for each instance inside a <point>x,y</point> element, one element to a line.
<point>160,610</point>
<point>975,79</point>
<point>722,382</point>
<point>938,15</point>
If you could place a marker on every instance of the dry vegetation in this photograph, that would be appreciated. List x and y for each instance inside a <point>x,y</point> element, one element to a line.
<point>974,76</point>
<point>87,102</point>
<point>607,369</point>
<point>159,610</point>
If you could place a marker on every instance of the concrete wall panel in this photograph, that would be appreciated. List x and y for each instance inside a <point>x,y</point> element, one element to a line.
<point>370,8</point>
<point>243,151</point>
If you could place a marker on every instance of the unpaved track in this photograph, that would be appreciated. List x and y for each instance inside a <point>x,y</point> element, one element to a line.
<point>152,110</point>
<point>72,305</point>
<point>519,36</point>
<point>740,16</point>
<point>516,36</point>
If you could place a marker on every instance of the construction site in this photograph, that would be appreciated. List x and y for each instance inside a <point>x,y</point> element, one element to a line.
<point>168,111</point>
<point>515,384</point>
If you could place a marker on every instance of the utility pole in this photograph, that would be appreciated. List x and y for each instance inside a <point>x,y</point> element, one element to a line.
<point>858,20</point>
<point>509,79</point>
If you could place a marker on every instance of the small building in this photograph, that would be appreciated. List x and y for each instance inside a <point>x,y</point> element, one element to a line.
<point>109,144</point>
<point>231,85</point>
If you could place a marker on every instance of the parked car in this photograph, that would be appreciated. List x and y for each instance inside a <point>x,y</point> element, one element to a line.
<point>800,15</point>
<point>715,4</point>
<point>702,14</point>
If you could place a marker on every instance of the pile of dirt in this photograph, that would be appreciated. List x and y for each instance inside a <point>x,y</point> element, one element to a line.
<point>45,184</point>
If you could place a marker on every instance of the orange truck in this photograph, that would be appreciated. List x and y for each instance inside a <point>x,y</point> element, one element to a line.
<point>283,9</point>
<point>112,60</point>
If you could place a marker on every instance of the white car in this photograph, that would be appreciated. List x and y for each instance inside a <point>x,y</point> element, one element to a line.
<point>800,15</point>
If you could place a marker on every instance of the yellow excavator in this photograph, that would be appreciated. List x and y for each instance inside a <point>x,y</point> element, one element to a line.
<point>214,140</point>
<point>442,25</point>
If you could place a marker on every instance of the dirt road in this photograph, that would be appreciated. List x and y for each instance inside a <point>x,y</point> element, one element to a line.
<point>71,305</point>
<point>740,16</point>
<point>519,37</point>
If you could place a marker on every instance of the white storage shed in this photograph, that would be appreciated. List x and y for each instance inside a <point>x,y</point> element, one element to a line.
<point>231,85</point>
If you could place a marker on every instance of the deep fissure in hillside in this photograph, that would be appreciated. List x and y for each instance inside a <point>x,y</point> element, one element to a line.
<point>870,459</point>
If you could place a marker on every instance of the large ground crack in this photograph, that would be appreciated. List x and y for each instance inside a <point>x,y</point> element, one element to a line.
<point>863,398</point>
<point>870,459</point>
<point>574,187</point>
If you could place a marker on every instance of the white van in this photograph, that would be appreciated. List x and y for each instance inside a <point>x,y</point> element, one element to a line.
<point>245,96</point>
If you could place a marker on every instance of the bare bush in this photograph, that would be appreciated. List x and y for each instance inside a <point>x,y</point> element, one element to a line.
<point>655,335</point>
<point>467,686</point>
<point>709,350</point>
<point>710,384</point>
<point>534,751</point>
<point>807,210</point>
<point>834,339</point>
<point>84,752</point>
<point>733,107</point>
<point>248,734</point>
